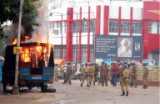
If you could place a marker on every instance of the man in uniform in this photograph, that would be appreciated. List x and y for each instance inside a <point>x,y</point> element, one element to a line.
<point>104,75</point>
<point>95,74</point>
<point>124,80</point>
<point>90,74</point>
<point>87,74</point>
<point>145,76</point>
<point>83,74</point>
<point>133,75</point>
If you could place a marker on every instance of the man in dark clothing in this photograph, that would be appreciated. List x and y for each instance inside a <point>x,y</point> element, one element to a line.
<point>68,73</point>
<point>114,73</point>
<point>104,75</point>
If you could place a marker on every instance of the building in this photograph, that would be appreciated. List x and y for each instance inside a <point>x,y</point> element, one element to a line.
<point>74,26</point>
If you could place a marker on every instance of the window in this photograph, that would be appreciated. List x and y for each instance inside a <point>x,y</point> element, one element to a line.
<point>136,27</point>
<point>55,28</point>
<point>92,25</point>
<point>75,26</point>
<point>153,27</point>
<point>113,26</point>
<point>84,25</point>
<point>125,26</point>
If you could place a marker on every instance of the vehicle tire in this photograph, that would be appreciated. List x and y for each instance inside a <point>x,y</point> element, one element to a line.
<point>29,88</point>
<point>4,87</point>
<point>44,87</point>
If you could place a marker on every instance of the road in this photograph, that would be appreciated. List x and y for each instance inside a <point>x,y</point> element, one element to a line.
<point>74,94</point>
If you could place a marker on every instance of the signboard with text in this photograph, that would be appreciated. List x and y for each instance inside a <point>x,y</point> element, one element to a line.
<point>119,47</point>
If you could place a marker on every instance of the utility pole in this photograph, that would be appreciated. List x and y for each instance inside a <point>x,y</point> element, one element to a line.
<point>61,31</point>
<point>16,87</point>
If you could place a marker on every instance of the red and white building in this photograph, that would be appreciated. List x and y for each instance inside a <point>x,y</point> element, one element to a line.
<point>74,25</point>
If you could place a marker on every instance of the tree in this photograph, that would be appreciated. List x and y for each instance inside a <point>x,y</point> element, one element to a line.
<point>10,11</point>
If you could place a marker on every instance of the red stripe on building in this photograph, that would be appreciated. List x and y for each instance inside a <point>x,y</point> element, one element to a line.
<point>80,33</point>
<point>98,17</point>
<point>151,40</point>
<point>88,36</point>
<point>69,34</point>
<point>106,18</point>
<point>131,21</point>
<point>119,21</point>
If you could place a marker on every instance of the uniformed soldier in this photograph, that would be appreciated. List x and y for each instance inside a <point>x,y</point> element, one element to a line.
<point>124,80</point>
<point>145,76</point>
<point>83,74</point>
<point>104,75</point>
<point>96,74</point>
<point>133,75</point>
<point>87,74</point>
<point>90,74</point>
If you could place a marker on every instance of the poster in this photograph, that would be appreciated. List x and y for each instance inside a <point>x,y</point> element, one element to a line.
<point>124,47</point>
<point>119,47</point>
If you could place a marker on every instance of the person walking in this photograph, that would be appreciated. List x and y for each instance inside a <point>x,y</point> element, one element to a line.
<point>83,74</point>
<point>95,74</point>
<point>90,74</point>
<point>104,75</point>
<point>65,73</point>
<point>124,80</point>
<point>145,76</point>
<point>133,75</point>
<point>114,73</point>
<point>68,73</point>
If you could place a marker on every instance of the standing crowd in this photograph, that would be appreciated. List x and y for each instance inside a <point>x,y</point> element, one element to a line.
<point>123,74</point>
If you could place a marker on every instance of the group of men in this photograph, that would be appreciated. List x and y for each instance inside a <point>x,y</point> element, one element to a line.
<point>123,73</point>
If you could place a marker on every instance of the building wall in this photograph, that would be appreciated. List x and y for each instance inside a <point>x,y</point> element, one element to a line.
<point>124,18</point>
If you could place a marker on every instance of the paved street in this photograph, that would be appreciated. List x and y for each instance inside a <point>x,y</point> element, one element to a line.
<point>74,94</point>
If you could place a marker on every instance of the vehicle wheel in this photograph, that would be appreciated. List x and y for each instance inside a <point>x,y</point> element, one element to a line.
<point>4,88</point>
<point>29,88</point>
<point>44,87</point>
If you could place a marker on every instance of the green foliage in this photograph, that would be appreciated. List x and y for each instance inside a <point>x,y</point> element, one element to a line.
<point>10,11</point>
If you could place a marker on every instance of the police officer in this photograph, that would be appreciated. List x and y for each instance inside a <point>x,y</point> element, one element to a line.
<point>124,80</point>
<point>133,75</point>
<point>95,74</point>
<point>145,76</point>
<point>83,74</point>
<point>89,73</point>
<point>104,75</point>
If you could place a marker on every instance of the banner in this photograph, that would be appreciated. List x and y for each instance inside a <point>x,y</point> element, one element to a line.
<point>106,47</point>
<point>119,47</point>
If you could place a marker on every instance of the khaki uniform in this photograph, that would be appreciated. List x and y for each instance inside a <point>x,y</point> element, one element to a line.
<point>145,78</point>
<point>104,75</point>
<point>88,75</point>
<point>133,76</point>
<point>124,81</point>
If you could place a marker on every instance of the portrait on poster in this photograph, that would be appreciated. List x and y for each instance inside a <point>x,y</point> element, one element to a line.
<point>124,47</point>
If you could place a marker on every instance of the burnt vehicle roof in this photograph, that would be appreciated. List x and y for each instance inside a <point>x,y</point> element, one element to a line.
<point>31,44</point>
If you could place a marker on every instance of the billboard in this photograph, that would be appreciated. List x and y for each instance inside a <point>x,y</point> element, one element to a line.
<point>119,47</point>
<point>106,47</point>
<point>124,47</point>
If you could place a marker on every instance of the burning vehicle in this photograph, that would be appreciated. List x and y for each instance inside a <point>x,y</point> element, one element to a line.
<point>36,66</point>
